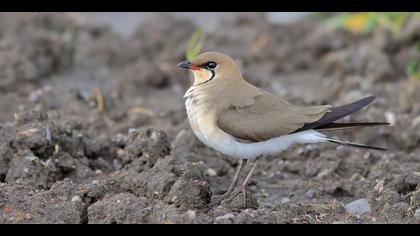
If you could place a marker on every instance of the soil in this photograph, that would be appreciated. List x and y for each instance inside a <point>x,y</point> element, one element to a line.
<point>94,130</point>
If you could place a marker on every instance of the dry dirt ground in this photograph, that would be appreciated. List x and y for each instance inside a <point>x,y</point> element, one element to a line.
<point>93,127</point>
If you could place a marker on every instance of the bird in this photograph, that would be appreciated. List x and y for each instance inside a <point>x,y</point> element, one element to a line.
<point>242,121</point>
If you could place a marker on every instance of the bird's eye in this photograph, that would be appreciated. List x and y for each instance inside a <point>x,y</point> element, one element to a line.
<point>211,65</point>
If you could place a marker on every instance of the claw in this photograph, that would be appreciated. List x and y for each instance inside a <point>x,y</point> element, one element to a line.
<point>235,193</point>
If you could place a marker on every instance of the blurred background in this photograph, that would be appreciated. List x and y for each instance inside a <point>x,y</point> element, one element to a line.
<point>78,90</point>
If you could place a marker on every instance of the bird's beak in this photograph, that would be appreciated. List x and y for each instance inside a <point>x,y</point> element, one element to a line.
<point>188,65</point>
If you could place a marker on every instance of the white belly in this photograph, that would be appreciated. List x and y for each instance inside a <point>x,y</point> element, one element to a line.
<point>203,123</point>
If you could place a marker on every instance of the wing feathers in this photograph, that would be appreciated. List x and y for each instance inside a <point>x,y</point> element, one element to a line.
<point>271,116</point>
<point>338,113</point>
<point>341,126</point>
<point>268,117</point>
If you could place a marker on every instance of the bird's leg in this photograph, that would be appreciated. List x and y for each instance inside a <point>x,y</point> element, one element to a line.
<point>242,164</point>
<point>242,188</point>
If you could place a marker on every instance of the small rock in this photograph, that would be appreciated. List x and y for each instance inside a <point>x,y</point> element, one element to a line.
<point>225,219</point>
<point>308,217</point>
<point>323,173</point>
<point>390,117</point>
<point>173,199</point>
<point>154,136</point>
<point>417,215</point>
<point>76,199</point>
<point>191,214</point>
<point>358,207</point>
<point>31,158</point>
<point>311,194</point>
<point>28,216</point>
<point>119,139</point>
<point>379,187</point>
<point>132,130</point>
<point>285,200</point>
<point>211,172</point>
<point>121,152</point>
<point>117,164</point>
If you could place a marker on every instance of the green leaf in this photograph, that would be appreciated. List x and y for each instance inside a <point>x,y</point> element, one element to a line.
<point>371,22</point>
<point>338,20</point>
<point>195,44</point>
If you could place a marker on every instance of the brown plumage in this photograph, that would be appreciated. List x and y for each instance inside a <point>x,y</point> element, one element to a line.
<point>268,116</point>
<point>242,121</point>
<point>250,113</point>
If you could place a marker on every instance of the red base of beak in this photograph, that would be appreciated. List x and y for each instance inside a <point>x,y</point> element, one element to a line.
<point>193,67</point>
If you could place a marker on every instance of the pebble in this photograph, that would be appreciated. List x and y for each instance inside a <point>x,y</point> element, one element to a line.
<point>76,199</point>
<point>31,158</point>
<point>323,173</point>
<point>48,135</point>
<point>211,172</point>
<point>119,139</point>
<point>35,95</point>
<point>308,217</point>
<point>120,152</point>
<point>358,207</point>
<point>28,216</point>
<point>227,218</point>
<point>417,215</point>
<point>285,200</point>
<point>390,117</point>
<point>311,194</point>
<point>191,214</point>
<point>379,187</point>
<point>117,164</point>
<point>131,130</point>
<point>154,136</point>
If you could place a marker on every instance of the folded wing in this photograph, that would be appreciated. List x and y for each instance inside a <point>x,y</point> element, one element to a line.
<point>268,117</point>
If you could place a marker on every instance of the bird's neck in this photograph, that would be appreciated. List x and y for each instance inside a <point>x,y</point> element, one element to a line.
<point>217,96</point>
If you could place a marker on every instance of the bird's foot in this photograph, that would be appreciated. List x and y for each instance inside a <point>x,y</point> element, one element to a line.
<point>229,196</point>
<point>239,190</point>
<point>219,199</point>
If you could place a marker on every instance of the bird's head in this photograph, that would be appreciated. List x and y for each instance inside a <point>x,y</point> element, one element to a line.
<point>211,67</point>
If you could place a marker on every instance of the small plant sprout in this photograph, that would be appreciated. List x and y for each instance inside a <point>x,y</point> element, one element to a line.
<point>413,67</point>
<point>194,46</point>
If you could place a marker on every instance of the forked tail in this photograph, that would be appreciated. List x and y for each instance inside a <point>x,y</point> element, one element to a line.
<point>355,144</point>
<point>327,122</point>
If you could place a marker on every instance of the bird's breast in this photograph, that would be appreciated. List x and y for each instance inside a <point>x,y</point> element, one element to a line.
<point>202,119</point>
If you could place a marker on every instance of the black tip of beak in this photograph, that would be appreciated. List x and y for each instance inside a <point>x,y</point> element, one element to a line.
<point>185,64</point>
